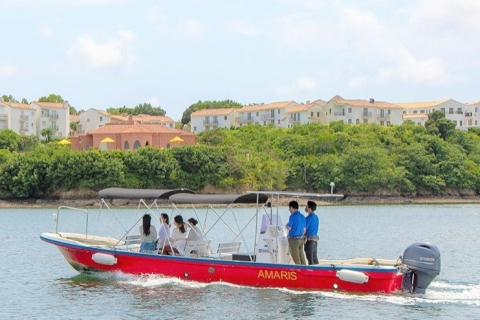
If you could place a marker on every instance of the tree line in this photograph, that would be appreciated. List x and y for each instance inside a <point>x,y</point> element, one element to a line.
<point>364,159</point>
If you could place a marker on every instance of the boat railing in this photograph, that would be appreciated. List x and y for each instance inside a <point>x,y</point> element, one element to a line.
<point>56,217</point>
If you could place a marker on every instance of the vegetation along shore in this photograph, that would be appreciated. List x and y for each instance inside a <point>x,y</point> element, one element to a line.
<point>408,163</point>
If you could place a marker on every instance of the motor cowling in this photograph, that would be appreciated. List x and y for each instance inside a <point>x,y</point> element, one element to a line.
<point>422,262</point>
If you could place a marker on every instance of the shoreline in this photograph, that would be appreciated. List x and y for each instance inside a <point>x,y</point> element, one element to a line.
<point>351,200</point>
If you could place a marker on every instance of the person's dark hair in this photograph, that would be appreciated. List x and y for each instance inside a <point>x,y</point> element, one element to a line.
<point>165,216</point>
<point>146,224</point>
<point>312,205</point>
<point>178,219</point>
<point>293,204</point>
<point>193,221</point>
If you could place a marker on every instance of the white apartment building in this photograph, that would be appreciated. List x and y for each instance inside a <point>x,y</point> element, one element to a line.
<point>55,116</point>
<point>472,114</point>
<point>362,111</point>
<point>306,113</point>
<point>208,119</point>
<point>92,119</point>
<point>266,114</point>
<point>18,117</point>
<point>418,111</point>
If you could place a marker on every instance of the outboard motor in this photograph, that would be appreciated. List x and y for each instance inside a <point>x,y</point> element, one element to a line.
<point>423,265</point>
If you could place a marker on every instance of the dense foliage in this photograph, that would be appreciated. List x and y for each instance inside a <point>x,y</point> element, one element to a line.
<point>365,159</point>
<point>142,108</point>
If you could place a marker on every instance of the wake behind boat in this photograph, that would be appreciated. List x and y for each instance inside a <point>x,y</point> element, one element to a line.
<point>261,260</point>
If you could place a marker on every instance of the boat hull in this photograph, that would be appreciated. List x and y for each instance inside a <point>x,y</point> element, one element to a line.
<point>380,279</point>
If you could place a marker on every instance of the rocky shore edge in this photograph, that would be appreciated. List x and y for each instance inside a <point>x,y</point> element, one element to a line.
<point>349,200</point>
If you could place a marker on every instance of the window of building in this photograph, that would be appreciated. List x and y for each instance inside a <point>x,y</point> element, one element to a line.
<point>330,111</point>
<point>415,111</point>
<point>88,119</point>
<point>225,118</point>
<point>311,114</point>
<point>357,121</point>
<point>461,123</point>
<point>194,129</point>
<point>404,112</point>
<point>278,121</point>
<point>349,110</point>
<point>278,111</point>
<point>136,145</point>
<point>365,120</point>
<point>126,145</point>
<point>318,114</point>
<point>422,111</point>
<point>349,121</point>
<point>257,114</point>
<point>388,111</point>
<point>101,118</point>
<point>442,109</point>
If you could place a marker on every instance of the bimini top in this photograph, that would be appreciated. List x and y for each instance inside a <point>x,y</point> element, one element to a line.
<point>185,198</point>
<point>123,193</point>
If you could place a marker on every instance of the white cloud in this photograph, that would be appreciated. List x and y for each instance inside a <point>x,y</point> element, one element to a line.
<point>7,69</point>
<point>191,28</point>
<point>428,72</point>
<point>358,82</point>
<point>243,27</point>
<point>45,30</point>
<point>114,53</point>
<point>303,84</point>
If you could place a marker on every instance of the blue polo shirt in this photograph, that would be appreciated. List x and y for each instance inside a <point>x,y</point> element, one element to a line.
<point>312,224</point>
<point>296,222</point>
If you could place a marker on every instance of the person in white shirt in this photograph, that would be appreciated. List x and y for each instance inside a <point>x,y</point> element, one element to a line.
<point>163,231</point>
<point>195,233</point>
<point>177,239</point>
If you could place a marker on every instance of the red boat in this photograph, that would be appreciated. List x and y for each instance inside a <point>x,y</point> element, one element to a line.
<point>268,265</point>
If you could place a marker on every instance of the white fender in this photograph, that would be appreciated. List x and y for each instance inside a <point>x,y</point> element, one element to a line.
<point>103,258</point>
<point>352,276</point>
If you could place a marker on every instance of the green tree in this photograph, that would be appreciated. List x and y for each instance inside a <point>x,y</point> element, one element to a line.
<point>438,125</point>
<point>145,108</point>
<point>9,140</point>
<point>9,98</point>
<point>52,98</point>
<point>47,134</point>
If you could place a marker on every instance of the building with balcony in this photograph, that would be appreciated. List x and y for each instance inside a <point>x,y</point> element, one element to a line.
<point>265,114</point>
<point>92,119</point>
<point>53,115</point>
<point>208,119</point>
<point>418,111</point>
<point>18,117</point>
<point>362,111</point>
<point>306,113</point>
<point>472,114</point>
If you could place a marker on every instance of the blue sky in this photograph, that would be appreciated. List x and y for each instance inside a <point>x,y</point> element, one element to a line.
<point>110,53</point>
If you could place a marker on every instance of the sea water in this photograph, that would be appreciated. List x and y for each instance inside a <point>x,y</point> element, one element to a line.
<point>37,283</point>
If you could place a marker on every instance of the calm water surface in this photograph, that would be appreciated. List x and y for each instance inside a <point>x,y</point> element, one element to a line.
<point>37,283</point>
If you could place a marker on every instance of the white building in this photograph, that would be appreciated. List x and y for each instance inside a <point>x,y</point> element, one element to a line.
<point>92,119</point>
<point>418,111</point>
<point>266,114</point>
<point>362,111</point>
<point>18,117</point>
<point>306,113</point>
<point>472,114</point>
<point>208,119</point>
<point>53,115</point>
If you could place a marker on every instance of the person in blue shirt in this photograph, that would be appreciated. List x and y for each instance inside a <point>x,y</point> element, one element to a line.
<point>296,233</point>
<point>312,225</point>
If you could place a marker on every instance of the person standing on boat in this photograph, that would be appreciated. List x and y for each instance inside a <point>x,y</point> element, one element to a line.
<point>163,231</point>
<point>178,238</point>
<point>312,224</point>
<point>296,233</point>
<point>148,234</point>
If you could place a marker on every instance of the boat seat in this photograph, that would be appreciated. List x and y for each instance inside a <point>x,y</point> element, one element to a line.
<point>196,248</point>
<point>226,250</point>
<point>131,243</point>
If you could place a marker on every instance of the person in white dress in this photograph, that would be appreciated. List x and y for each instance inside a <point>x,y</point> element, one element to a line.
<point>178,238</point>
<point>163,231</point>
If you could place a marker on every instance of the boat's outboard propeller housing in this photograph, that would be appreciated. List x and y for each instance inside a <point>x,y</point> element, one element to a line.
<point>423,265</point>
